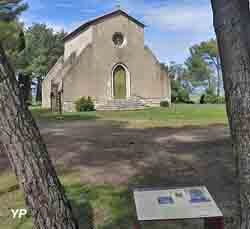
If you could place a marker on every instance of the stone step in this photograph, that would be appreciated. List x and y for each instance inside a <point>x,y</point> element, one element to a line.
<point>125,103</point>
<point>119,109</point>
<point>122,104</point>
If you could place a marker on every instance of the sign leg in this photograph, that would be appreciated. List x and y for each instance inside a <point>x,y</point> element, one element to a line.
<point>214,223</point>
<point>136,225</point>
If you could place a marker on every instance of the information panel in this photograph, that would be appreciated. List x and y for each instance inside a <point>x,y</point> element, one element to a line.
<point>167,204</point>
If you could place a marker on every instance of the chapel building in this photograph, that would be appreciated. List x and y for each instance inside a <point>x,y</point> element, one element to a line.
<point>106,59</point>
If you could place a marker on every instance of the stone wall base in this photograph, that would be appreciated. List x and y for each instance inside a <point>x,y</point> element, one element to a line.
<point>133,103</point>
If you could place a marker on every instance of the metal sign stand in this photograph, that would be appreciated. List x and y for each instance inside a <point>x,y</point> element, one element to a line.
<point>214,223</point>
<point>137,225</point>
<point>209,223</point>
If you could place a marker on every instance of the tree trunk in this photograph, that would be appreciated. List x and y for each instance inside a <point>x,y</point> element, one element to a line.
<point>24,84</point>
<point>21,140</point>
<point>232,26</point>
<point>218,77</point>
<point>209,83</point>
<point>39,89</point>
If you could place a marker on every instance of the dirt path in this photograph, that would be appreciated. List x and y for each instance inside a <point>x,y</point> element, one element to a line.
<point>110,153</point>
<point>107,152</point>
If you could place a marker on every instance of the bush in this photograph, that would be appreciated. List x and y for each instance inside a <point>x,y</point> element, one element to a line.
<point>212,99</point>
<point>221,100</point>
<point>179,94</point>
<point>84,104</point>
<point>164,104</point>
<point>190,102</point>
<point>28,102</point>
<point>210,91</point>
<point>202,99</point>
<point>183,96</point>
<point>175,87</point>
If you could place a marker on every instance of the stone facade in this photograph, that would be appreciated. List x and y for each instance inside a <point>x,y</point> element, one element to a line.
<point>91,56</point>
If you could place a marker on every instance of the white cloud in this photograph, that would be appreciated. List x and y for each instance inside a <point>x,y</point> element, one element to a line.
<point>173,26</point>
<point>64,5</point>
<point>56,26</point>
<point>176,16</point>
<point>181,18</point>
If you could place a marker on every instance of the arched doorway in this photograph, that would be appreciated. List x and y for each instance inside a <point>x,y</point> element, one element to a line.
<point>119,83</point>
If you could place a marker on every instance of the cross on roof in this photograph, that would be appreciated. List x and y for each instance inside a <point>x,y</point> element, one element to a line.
<point>118,4</point>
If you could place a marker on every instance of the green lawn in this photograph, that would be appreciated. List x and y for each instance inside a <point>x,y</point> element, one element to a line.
<point>101,206</point>
<point>177,115</point>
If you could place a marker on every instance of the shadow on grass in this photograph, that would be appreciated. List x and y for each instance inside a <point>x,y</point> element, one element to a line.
<point>108,207</point>
<point>23,222</point>
<point>122,211</point>
<point>102,207</point>
<point>76,116</point>
<point>46,114</point>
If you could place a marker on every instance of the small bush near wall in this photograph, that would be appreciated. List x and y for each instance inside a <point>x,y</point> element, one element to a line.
<point>84,104</point>
<point>164,104</point>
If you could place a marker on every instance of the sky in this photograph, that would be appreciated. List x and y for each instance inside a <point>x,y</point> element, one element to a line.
<point>172,26</point>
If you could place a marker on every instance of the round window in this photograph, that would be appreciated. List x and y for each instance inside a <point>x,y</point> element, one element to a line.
<point>118,39</point>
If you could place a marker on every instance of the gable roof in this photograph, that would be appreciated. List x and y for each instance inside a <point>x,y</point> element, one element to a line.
<point>99,19</point>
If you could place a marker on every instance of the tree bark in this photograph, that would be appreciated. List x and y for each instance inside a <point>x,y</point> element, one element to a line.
<point>39,89</point>
<point>24,84</point>
<point>232,26</point>
<point>218,76</point>
<point>21,140</point>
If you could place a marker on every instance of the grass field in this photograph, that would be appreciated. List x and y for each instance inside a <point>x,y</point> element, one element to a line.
<point>106,206</point>
<point>85,199</point>
<point>177,115</point>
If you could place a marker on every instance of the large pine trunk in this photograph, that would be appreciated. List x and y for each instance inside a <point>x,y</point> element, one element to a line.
<point>232,26</point>
<point>20,138</point>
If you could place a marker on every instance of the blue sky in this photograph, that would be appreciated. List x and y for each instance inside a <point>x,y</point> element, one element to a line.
<point>172,25</point>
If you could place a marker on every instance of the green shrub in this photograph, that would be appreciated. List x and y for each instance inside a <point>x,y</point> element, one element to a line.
<point>164,103</point>
<point>175,87</point>
<point>190,102</point>
<point>183,96</point>
<point>221,100</point>
<point>212,99</point>
<point>29,102</point>
<point>210,91</point>
<point>84,104</point>
<point>202,99</point>
<point>179,94</point>
<point>174,95</point>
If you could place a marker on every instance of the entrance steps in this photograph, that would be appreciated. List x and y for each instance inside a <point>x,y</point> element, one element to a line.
<point>122,104</point>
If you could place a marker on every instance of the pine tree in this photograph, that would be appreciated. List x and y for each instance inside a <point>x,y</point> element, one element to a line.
<point>232,26</point>
<point>21,140</point>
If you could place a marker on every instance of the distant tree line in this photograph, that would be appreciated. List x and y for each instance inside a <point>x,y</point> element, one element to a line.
<point>20,138</point>
<point>32,51</point>
<point>202,71</point>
